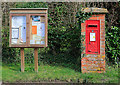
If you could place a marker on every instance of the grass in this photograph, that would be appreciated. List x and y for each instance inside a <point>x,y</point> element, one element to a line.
<point>48,73</point>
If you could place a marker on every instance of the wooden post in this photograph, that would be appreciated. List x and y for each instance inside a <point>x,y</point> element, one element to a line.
<point>36,59</point>
<point>22,59</point>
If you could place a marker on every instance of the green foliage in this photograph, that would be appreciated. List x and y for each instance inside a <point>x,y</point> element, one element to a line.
<point>64,36</point>
<point>81,19</point>
<point>8,54</point>
<point>83,16</point>
<point>113,44</point>
<point>64,40</point>
<point>31,5</point>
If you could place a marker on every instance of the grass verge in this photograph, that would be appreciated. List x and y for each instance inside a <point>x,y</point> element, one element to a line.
<point>11,73</point>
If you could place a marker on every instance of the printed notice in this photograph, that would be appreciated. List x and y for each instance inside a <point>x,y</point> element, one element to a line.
<point>39,29</point>
<point>14,41</point>
<point>34,29</point>
<point>92,36</point>
<point>32,41</point>
<point>18,21</point>
<point>15,33</point>
<point>42,42</point>
<point>43,29</point>
<point>23,33</point>
<point>37,42</point>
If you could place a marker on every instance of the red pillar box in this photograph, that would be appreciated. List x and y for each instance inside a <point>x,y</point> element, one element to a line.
<point>93,54</point>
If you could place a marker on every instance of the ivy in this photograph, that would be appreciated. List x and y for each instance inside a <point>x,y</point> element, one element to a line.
<point>113,44</point>
<point>82,17</point>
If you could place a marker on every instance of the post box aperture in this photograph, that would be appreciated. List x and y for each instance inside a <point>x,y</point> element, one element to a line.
<point>92,37</point>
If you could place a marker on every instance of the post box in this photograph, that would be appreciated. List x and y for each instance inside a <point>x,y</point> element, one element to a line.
<point>92,37</point>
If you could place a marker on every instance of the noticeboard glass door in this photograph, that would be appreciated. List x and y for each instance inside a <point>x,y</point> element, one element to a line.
<point>18,29</point>
<point>37,30</point>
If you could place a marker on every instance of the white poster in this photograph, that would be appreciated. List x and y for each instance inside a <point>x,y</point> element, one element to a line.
<point>14,41</point>
<point>37,42</point>
<point>32,41</point>
<point>42,42</point>
<point>92,36</point>
<point>43,29</point>
<point>15,33</point>
<point>39,29</point>
<point>23,33</point>
<point>18,21</point>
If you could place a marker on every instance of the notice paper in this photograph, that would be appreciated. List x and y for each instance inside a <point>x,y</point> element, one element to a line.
<point>39,32</point>
<point>42,42</point>
<point>14,41</point>
<point>23,33</point>
<point>92,36</point>
<point>32,41</point>
<point>18,21</point>
<point>34,29</point>
<point>37,42</point>
<point>34,37</point>
<point>43,29</point>
<point>15,33</point>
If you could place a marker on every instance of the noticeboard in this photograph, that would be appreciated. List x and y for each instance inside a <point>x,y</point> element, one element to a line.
<point>28,27</point>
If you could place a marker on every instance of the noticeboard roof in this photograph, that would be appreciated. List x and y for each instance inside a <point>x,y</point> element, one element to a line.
<point>28,8</point>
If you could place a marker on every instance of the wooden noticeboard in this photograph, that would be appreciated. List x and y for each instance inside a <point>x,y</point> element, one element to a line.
<point>28,27</point>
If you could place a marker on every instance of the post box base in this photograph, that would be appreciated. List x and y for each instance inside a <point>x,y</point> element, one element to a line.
<point>93,64</point>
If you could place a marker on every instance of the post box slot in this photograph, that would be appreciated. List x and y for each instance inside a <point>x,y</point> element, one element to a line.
<point>92,25</point>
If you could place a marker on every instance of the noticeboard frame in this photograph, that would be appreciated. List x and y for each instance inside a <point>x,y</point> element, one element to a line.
<point>28,12</point>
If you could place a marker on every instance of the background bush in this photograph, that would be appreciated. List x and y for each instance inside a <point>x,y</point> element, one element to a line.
<point>64,39</point>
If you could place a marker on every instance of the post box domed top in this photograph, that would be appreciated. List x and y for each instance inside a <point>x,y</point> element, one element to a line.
<point>94,10</point>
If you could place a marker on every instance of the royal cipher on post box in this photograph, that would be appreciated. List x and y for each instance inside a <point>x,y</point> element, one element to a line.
<point>93,45</point>
<point>28,27</point>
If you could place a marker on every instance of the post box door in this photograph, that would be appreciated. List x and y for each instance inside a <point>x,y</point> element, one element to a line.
<point>92,37</point>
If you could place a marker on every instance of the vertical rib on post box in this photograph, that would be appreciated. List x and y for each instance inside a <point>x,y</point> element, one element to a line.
<point>93,56</point>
